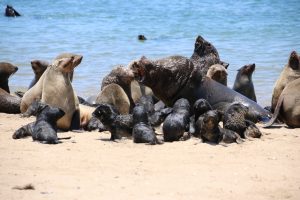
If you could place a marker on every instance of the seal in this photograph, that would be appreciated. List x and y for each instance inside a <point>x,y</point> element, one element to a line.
<point>6,70</point>
<point>115,95</point>
<point>185,81</point>
<point>142,131</point>
<point>118,125</point>
<point>177,122</point>
<point>205,55</point>
<point>288,106</point>
<point>138,90</point>
<point>207,128</point>
<point>11,12</point>
<point>243,82</point>
<point>142,38</point>
<point>218,73</point>
<point>55,88</point>
<point>290,72</point>
<point>8,103</point>
<point>38,67</point>
<point>44,129</point>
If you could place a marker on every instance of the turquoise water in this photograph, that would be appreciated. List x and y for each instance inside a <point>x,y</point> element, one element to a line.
<point>263,32</point>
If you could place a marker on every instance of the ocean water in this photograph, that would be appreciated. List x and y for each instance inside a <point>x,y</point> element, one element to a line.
<point>105,32</point>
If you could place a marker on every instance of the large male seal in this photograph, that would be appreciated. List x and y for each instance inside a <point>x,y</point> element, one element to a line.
<point>288,105</point>
<point>55,88</point>
<point>176,77</point>
<point>243,82</point>
<point>6,70</point>
<point>290,72</point>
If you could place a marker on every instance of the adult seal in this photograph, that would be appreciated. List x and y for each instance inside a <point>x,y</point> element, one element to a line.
<point>6,70</point>
<point>185,81</point>
<point>8,103</point>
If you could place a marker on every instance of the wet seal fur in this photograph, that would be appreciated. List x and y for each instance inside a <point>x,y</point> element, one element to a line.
<point>55,88</point>
<point>11,12</point>
<point>177,122</point>
<point>142,131</point>
<point>44,129</point>
<point>118,125</point>
<point>290,72</point>
<point>243,82</point>
<point>288,106</point>
<point>207,128</point>
<point>185,81</point>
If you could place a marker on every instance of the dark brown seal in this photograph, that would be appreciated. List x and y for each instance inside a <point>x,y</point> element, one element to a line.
<point>38,67</point>
<point>9,103</point>
<point>6,70</point>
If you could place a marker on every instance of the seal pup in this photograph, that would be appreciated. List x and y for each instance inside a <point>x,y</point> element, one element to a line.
<point>290,72</point>
<point>142,131</point>
<point>218,73</point>
<point>185,81</point>
<point>243,82</point>
<point>6,70</point>
<point>55,88</point>
<point>44,129</point>
<point>288,106</point>
<point>208,130</point>
<point>118,125</point>
<point>11,12</point>
<point>38,67</point>
<point>177,122</point>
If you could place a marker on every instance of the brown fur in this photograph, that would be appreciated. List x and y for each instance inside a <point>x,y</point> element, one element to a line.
<point>8,103</point>
<point>114,94</point>
<point>290,72</point>
<point>6,70</point>
<point>218,73</point>
<point>38,67</point>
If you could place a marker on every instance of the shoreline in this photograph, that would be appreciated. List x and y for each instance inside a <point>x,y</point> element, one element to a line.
<point>89,166</point>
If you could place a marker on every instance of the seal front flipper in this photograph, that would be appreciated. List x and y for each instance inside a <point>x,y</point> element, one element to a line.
<point>24,131</point>
<point>75,123</point>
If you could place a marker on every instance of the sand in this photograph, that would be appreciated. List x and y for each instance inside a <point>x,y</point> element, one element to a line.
<point>89,166</point>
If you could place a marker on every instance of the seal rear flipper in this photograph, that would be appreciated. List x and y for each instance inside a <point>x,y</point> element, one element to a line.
<point>276,112</point>
<point>24,131</point>
<point>75,123</point>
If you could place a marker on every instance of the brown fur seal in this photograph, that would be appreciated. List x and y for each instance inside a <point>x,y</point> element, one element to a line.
<point>218,73</point>
<point>38,67</point>
<point>243,82</point>
<point>6,70</point>
<point>205,55</point>
<point>8,103</point>
<point>54,88</point>
<point>290,72</point>
<point>288,105</point>
<point>11,12</point>
<point>115,95</point>
<point>185,81</point>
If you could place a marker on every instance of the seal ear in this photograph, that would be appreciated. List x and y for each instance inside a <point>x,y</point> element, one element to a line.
<point>294,60</point>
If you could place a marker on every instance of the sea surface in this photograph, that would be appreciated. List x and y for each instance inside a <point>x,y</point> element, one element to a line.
<point>263,32</point>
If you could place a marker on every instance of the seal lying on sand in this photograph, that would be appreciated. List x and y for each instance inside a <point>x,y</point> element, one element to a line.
<point>44,129</point>
<point>185,81</point>
<point>118,125</point>
<point>38,67</point>
<point>6,70</point>
<point>177,122</point>
<point>290,72</point>
<point>142,131</point>
<point>243,82</point>
<point>8,103</point>
<point>288,105</point>
<point>54,88</point>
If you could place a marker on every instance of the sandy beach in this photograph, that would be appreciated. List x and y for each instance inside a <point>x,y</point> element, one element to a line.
<point>89,166</point>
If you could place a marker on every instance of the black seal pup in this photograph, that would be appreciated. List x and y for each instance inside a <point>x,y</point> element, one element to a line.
<point>177,122</point>
<point>185,81</point>
<point>118,125</point>
<point>6,70</point>
<point>142,131</point>
<point>11,12</point>
<point>243,82</point>
<point>38,68</point>
<point>44,129</point>
<point>207,128</point>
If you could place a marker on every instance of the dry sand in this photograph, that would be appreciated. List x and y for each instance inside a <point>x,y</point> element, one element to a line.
<point>89,166</point>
